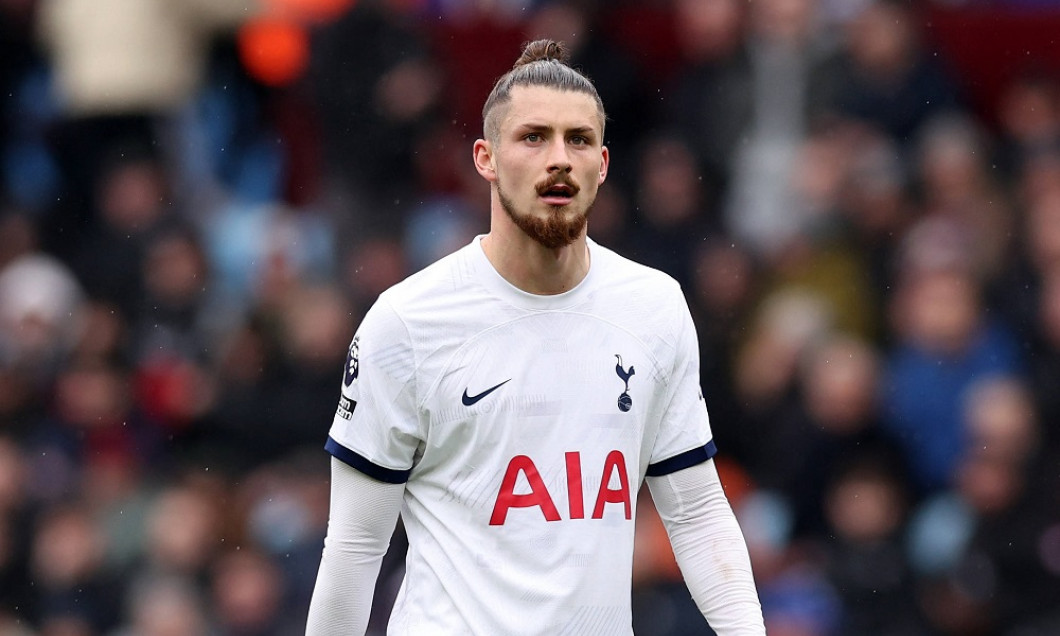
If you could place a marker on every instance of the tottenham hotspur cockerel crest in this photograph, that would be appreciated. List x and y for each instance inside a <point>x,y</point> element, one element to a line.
<point>625,402</point>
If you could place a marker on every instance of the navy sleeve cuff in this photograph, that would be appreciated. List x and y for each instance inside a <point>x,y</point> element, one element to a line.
<point>375,471</point>
<point>682,460</point>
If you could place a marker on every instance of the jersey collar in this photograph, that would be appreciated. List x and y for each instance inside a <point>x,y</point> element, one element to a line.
<point>497,285</point>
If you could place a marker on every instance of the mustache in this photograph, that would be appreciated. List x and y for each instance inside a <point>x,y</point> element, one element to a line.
<point>559,179</point>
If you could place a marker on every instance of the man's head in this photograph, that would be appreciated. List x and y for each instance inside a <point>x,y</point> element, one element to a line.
<point>543,150</point>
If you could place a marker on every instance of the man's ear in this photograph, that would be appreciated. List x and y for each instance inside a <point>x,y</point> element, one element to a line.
<point>605,161</point>
<point>483,156</point>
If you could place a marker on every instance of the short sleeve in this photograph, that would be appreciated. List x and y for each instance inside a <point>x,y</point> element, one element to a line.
<point>684,437</point>
<point>377,426</point>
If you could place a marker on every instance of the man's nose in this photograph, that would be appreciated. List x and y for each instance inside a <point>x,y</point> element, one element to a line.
<point>558,160</point>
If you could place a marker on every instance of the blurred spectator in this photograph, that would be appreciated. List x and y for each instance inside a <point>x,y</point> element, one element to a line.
<point>982,543</point>
<point>1045,364</point>
<point>133,200</point>
<point>448,214</point>
<point>259,252</point>
<point>116,491</point>
<point>887,76</point>
<point>16,47</point>
<point>670,205</point>
<point>153,64</point>
<point>375,100</point>
<point>94,419</point>
<point>120,82</point>
<point>373,264</point>
<point>75,592</point>
<point>866,505</point>
<point>28,173</point>
<point>958,180</point>
<point>277,381</point>
<point>247,590</point>
<point>18,234</point>
<point>709,102</point>
<point>836,426</point>
<point>819,257</point>
<point>15,531</point>
<point>944,341</point>
<point>40,311</point>
<point>764,370</point>
<point>175,314</point>
<point>787,62</point>
<point>724,288</point>
<point>1042,230</point>
<point>797,597</point>
<point>286,513</point>
<point>1023,294</point>
<point>181,319</point>
<point>875,203</point>
<point>104,334</point>
<point>1029,119</point>
<point>165,606</point>
<point>182,533</point>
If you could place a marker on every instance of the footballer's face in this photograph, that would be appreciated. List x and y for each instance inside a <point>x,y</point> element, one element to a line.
<point>547,162</point>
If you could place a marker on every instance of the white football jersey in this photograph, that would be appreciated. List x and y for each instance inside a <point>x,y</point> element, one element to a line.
<point>522,427</point>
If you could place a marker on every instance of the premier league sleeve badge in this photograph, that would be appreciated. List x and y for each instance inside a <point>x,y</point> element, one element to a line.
<point>352,363</point>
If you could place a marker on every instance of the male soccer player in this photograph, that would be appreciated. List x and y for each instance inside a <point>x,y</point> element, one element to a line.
<point>509,401</point>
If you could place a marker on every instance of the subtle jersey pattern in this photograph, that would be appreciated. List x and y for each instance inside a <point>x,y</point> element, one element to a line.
<point>523,427</point>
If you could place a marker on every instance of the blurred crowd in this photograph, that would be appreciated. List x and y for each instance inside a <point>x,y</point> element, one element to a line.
<point>199,199</point>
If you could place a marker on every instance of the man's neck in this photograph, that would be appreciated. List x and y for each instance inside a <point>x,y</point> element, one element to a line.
<point>532,267</point>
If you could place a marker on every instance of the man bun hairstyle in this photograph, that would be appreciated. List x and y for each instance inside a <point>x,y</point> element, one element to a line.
<point>542,63</point>
<point>543,50</point>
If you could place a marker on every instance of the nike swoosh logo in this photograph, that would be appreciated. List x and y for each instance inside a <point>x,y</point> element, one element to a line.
<point>468,400</point>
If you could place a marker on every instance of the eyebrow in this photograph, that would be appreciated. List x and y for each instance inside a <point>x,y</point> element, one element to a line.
<point>586,131</point>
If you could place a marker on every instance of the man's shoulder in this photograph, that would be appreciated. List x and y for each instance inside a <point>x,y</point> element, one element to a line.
<point>623,273</point>
<point>419,310</point>
<point>644,300</point>
<point>443,277</point>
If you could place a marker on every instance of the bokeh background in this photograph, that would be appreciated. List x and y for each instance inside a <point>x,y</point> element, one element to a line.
<point>199,199</point>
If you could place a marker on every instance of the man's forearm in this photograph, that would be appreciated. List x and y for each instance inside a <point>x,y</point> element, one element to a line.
<point>710,548</point>
<point>363,516</point>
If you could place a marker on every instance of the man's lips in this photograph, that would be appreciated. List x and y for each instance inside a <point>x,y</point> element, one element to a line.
<point>557,194</point>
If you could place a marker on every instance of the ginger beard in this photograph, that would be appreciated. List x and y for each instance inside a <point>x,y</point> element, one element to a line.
<point>561,227</point>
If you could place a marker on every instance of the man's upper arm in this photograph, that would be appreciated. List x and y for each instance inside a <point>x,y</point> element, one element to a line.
<point>684,438</point>
<point>377,425</point>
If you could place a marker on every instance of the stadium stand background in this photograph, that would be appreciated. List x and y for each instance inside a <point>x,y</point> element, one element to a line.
<point>199,200</point>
